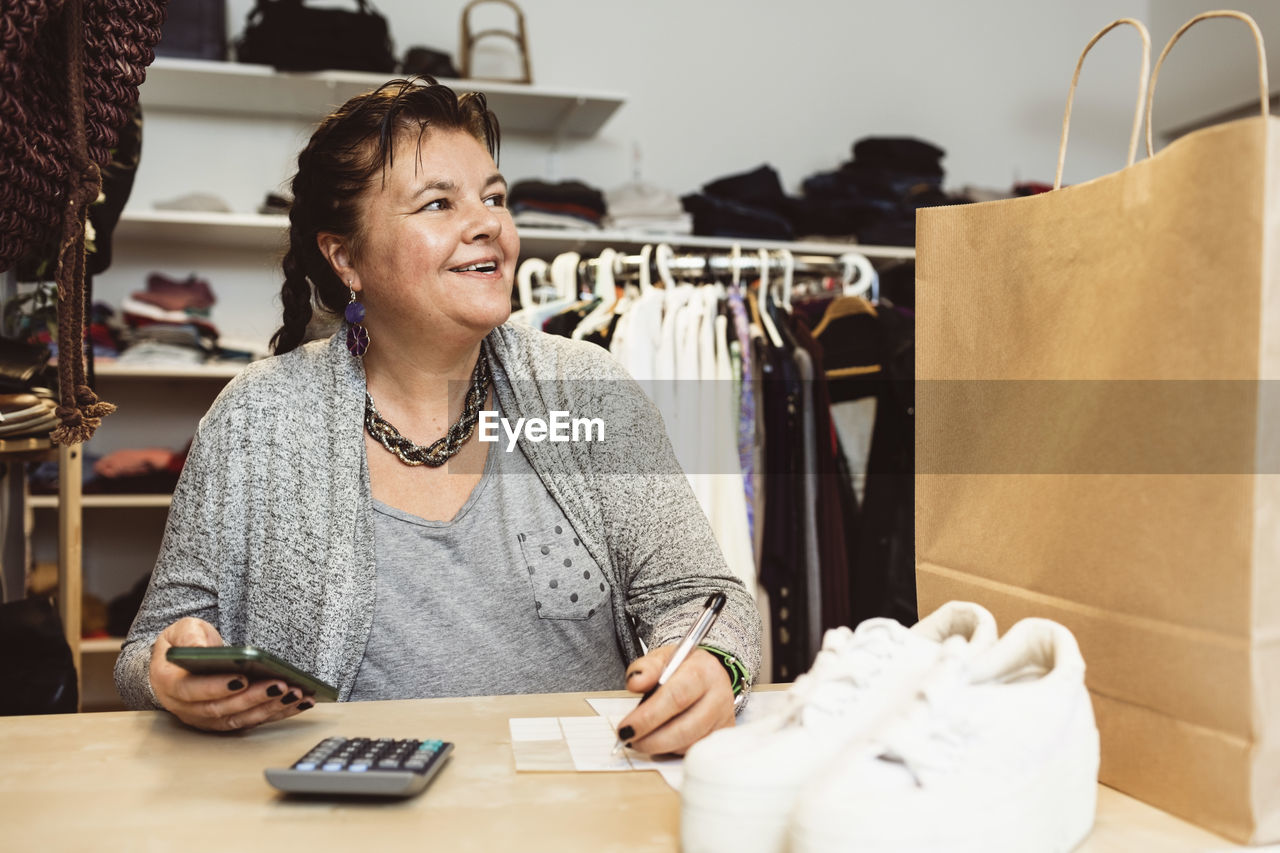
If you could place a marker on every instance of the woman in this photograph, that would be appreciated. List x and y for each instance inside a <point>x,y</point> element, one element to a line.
<point>305,524</point>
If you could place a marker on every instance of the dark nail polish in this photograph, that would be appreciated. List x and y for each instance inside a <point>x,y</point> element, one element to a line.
<point>627,744</point>
<point>235,684</point>
<point>626,733</point>
<point>634,673</point>
<point>305,705</point>
<point>274,690</point>
<point>290,698</point>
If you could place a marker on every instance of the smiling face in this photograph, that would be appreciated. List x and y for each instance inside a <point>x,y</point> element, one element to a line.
<point>437,250</point>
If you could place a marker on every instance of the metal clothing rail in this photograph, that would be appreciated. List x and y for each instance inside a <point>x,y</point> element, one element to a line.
<point>725,266</point>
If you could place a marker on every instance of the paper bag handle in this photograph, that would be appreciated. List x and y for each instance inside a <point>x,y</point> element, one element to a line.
<point>1263,88</point>
<point>1142,91</point>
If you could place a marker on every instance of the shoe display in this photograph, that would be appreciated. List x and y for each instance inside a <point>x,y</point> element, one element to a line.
<point>740,783</point>
<point>999,753</point>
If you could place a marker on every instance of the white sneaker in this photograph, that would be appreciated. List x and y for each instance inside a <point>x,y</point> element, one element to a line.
<point>740,784</point>
<point>1000,754</point>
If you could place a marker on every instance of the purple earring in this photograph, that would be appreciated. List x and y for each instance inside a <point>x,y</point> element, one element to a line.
<point>357,334</point>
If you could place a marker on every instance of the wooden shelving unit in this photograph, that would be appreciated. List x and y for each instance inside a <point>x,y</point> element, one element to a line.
<point>104,501</point>
<point>14,453</point>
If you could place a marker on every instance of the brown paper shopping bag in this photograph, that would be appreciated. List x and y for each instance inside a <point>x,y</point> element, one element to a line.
<point>1097,444</point>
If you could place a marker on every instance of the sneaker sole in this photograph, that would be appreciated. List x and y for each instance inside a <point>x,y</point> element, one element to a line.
<point>714,818</point>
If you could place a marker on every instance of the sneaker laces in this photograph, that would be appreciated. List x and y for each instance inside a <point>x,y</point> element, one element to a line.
<point>936,733</point>
<point>847,665</point>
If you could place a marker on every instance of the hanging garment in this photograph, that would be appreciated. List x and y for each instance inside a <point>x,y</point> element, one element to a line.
<point>564,322</point>
<point>728,507</point>
<point>808,494</point>
<point>747,440</point>
<point>782,547</point>
<point>834,608</point>
<point>882,548</point>
<point>638,336</point>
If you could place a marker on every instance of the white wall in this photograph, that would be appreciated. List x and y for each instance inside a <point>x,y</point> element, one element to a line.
<point>717,86</point>
<point>1214,66</point>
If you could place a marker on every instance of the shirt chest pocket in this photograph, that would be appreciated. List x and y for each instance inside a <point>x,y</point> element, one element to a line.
<point>564,581</point>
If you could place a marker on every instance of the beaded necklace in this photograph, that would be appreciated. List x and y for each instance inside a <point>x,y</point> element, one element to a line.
<point>442,449</point>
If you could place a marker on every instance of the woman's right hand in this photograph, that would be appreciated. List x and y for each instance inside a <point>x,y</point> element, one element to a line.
<point>218,703</point>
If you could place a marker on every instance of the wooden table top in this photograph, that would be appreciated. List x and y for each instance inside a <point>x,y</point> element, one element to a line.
<point>143,781</point>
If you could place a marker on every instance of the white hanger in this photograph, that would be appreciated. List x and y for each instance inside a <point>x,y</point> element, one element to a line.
<point>788,276</point>
<point>602,314</point>
<point>524,279</point>
<point>663,255</point>
<point>765,319</point>
<point>564,274</point>
<point>646,280</point>
<point>868,279</point>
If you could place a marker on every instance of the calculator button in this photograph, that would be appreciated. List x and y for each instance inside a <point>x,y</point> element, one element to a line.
<point>305,765</point>
<point>332,765</point>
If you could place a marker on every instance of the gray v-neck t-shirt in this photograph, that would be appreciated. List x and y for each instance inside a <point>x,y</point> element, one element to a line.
<point>502,599</point>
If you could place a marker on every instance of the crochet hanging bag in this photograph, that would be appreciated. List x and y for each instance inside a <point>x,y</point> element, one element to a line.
<point>69,77</point>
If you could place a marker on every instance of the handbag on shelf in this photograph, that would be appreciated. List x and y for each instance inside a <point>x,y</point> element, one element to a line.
<point>195,29</point>
<point>292,36</point>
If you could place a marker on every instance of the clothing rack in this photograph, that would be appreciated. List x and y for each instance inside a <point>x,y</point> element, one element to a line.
<point>662,261</point>
<point>725,265</point>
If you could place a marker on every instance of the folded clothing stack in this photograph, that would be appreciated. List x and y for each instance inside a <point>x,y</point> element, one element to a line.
<point>169,322</point>
<point>750,204</point>
<point>149,470</point>
<point>876,194</point>
<point>569,204</point>
<point>102,334</point>
<point>27,414</point>
<point>646,209</point>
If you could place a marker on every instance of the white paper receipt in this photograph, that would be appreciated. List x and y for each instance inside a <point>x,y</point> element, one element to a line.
<point>586,744</point>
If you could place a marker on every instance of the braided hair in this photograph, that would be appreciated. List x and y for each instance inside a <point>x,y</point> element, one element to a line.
<point>346,152</point>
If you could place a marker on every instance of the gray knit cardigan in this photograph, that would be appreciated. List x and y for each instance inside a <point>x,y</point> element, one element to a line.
<point>270,536</point>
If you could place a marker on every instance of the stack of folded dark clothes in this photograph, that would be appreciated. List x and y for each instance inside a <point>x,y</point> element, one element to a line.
<point>750,204</point>
<point>168,323</point>
<point>875,195</point>
<point>568,204</point>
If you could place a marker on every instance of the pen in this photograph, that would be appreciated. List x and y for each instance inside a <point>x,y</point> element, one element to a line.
<point>691,641</point>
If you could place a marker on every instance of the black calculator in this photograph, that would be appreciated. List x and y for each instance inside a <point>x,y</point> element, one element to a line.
<point>363,767</point>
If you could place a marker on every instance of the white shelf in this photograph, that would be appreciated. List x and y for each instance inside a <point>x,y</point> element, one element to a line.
<point>254,231</point>
<point>111,501</point>
<point>195,228</point>
<point>101,645</point>
<point>215,370</point>
<point>233,88</point>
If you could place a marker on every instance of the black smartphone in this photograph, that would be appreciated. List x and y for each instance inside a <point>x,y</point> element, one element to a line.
<point>256,664</point>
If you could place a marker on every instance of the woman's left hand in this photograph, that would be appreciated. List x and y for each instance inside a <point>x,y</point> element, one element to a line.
<point>695,701</point>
